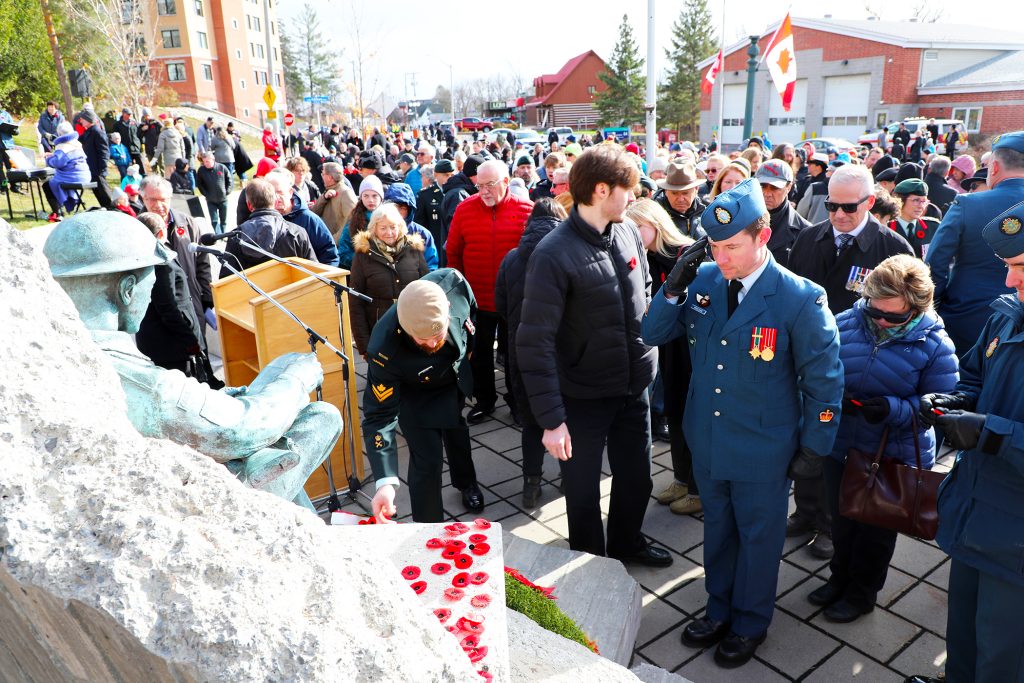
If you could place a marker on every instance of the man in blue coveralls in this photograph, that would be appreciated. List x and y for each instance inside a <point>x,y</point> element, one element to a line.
<point>981,502</point>
<point>765,401</point>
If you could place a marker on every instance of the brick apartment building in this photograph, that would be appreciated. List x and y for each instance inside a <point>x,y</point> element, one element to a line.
<point>859,75</point>
<point>213,53</point>
<point>566,98</point>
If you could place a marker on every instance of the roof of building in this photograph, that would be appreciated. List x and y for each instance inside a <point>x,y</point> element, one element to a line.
<point>559,77</point>
<point>1006,69</point>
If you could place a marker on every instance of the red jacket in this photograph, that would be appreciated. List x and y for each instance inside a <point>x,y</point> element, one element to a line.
<point>271,146</point>
<point>479,238</point>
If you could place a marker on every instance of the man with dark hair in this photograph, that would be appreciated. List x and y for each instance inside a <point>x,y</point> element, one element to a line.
<point>97,153</point>
<point>129,131</point>
<point>967,275</point>
<point>583,365</point>
<point>765,399</point>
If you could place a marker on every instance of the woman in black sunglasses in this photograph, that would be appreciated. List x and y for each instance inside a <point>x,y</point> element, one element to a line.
<point>894,350</point>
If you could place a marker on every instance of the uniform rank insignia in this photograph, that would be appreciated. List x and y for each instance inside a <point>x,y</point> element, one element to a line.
<point>826,415</point>
<point>470,327</point>
<point>991,347</point>
<point>1010,226</point>
<point>723,216</point>
<point>703,300</point>
<point>762,343</point>
<point>382,393</point>
<point>378,441</point>
<point>855,282</point>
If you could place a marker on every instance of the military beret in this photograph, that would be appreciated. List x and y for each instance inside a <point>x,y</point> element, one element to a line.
<point>734,210</point>
<point>444,166</point>
<point>524,160</point>
<point>1003,233</point>
<point>1014,141</point>
<point>911,186</point>
<point>888,175</point>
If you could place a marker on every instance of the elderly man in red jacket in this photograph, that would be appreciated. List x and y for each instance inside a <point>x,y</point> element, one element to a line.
<point>486,226</point>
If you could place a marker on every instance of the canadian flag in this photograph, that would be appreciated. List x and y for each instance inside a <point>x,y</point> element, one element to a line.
<point>781,58</point>
<point>709,78</point>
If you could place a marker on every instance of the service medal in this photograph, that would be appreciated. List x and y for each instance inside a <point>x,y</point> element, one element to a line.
<point>762,343</point>
<point>991,347</point>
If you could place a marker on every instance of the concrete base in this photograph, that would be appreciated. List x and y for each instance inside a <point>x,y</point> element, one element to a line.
<point>648,673</point>
<point>595,591</point>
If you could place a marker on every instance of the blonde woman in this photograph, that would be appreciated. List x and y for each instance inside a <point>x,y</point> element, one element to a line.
<point>663,243</point>
<point>386,259</point>
<point>729,177</point>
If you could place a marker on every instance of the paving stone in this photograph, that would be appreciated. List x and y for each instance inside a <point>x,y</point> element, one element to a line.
<point>691,597</point>
<point>879,632</point>
<point>794,647</point>
<point>916,557</point>
<point>657,617</point>
<point>896,584</point>
<point>668,652</point>
<point>648,673</point>
<point>500,440</point>
<point>560,525</point>
<point>524,527</point>
<point>925,605</point>
<point>850,665</point>
<point>661,580</point>
<point>795,601</point>
<point>704,670</point>
<point>491,468</point>
<point>802,558</point>
<point>789,576</point>
<point>940,577</point>
<point>926,655</point>
<point>678,532</point>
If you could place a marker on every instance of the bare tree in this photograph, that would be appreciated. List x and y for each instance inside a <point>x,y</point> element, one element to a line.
<point>926,13</point>
<point>366,42</point>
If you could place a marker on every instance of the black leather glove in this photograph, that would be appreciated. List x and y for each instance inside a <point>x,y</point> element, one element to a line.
<point>806,464</point>
<point>962,429</point>
<point>685,270</point>
<point>956,400</point>
<point>875,409</point>
<point>849,407</point>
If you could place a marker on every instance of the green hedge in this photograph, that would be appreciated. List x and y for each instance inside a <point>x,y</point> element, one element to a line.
<point>544,611</point>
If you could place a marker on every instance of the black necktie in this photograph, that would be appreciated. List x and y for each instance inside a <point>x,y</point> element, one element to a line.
<point>734,295</point>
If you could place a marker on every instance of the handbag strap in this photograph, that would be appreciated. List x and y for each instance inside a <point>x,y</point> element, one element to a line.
<point>917,441</point>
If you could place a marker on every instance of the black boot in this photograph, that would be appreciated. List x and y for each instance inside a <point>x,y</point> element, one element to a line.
<point>531,490</point>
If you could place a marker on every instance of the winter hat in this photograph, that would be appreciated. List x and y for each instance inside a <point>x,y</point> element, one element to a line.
<point>574,149</point>
<point>423,309</point>
<point>965,164</point>
<point>265,166</point>
<point>908,170</point>
<point>633,147</point>
<point>471,164</point>
<point>444,166</point>
<point>372,184</point>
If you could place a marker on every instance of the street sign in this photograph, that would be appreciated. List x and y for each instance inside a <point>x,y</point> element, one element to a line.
<point>269,97</point>
<point>289,119</point>
<point>317,99</point>
<point>271,115</point>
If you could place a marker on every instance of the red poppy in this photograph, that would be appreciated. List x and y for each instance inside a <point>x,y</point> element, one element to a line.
<point>454,594</point>
<point>487,676</point>
<point>470,642</point>
<point>435,543</point>
<point>442,614</point>
<point>482,523</point>
<point>471,627</point>
<point>920,234</point>
<point>480,548</point>
<point>410,573</point>
<point>482,600</point>
<point>477,538</point>
<point>440,568</point>
<point>449,553</point>
<point>463,561</point>
<point>418,587</point>
<point>456,543</point>
<point>477,654</point>
<point>460,580</point>
<point>452,629</point>
<point>477,578</point>
<point>632,263</point>
<point>474,617</point>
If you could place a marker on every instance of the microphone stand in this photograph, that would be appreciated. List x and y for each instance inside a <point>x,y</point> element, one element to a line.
<point>354,485</point>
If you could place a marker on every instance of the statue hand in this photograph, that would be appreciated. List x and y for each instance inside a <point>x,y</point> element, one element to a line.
<point>384,504</point>
<point>306,368</point>
<point>235,391</point>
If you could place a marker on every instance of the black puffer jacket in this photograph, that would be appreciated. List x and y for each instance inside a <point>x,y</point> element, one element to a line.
<point>580,329</point>
<point>273,233</point>
<point>377,276</point>
<point>508,300</point>
<point>458,188</point>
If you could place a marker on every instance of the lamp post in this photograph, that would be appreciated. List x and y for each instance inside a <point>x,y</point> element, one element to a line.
<point>752,52</point>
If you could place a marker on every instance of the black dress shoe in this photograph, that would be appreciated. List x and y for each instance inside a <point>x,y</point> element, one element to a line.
<point>736,650</point>
<point>659,428</point>
<point>844,612</point>
<point>478,414</point>
<point>649,555</point>
<point>798,525</point>
<point>473,498</point>
<point>704,632</point>
<point>823,596</point>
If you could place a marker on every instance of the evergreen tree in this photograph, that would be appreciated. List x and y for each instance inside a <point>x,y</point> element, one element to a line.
<point>693,40</point>
<point>27,72</point>
<point>310,64</point>
<point>622,104</point>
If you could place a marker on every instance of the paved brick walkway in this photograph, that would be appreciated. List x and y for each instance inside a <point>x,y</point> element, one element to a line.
<point>903,635</point>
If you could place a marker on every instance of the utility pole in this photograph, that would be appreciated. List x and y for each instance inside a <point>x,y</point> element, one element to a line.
<point>651,106</point>
<point>58,60</point>
<point>270,61</point>
<point>748,117</point>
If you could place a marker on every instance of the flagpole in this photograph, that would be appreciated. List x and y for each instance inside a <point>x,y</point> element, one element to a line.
<point>721,88</point>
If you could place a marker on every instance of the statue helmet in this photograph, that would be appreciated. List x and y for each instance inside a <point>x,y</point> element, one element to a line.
<point>100,243</point>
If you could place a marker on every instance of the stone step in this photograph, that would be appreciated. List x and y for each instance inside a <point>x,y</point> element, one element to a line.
<point>648,673</point>
<point>596,592</point>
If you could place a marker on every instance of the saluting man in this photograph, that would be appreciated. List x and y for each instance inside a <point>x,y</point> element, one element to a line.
<point>418,376</point>
<point>767,384</point>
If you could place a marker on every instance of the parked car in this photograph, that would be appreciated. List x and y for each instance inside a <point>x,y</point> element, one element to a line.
<point>503,122</point>
<point>841,145</point>
<point>530,137</point>
<point>474,123</point>
<point>499,134</point>
<point>563,133</point>
<point>913,125</point>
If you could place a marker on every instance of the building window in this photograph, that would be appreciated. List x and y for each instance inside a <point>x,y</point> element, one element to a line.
<point>171,37</point>
<point>130,12</point>
<point>971,116</point>
<point>166,7</point>
<point>277,80</point>
<point>199,8</point>
<point>275,54</point>
<point>246,110</point>
<point>175,71</point>
<point>203,41</point>
<point>273,28</point>
<point>591,89</point>
<point>255,23</point>
<point>931,55</point>
<point>207,72</point>
<point>881,119</point>
<point>234,23</point>
<point>242,82</point>
<point>238,54</point>
<point>138,42</point>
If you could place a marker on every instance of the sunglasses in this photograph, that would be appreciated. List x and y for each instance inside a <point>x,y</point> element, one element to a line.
<point>894,318</point>
<point>847,207</point>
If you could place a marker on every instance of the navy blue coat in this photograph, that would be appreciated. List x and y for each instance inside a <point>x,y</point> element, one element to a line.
<point>319,235</point>
<point>964,289</point>
<point>981,502</point>
<point>902,370</point>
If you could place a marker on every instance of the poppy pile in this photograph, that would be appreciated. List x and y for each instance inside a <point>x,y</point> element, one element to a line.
<point>462,593</point>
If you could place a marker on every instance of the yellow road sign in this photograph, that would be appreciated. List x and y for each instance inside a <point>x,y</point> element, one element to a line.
<point>269,97</point>
<point>271,114</point>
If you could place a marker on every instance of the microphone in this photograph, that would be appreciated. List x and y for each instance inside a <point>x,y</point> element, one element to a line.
<point>209,238</point>
<point>196,249</point>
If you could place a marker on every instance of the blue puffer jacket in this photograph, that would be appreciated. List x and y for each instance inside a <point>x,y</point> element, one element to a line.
<point>901,369</point>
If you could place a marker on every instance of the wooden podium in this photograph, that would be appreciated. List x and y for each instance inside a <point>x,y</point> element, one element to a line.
<point>253,332</point>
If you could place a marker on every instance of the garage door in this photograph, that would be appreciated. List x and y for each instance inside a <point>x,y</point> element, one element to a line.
<point>845,112</point>
<point>735,101</point>
<point>787,126</point>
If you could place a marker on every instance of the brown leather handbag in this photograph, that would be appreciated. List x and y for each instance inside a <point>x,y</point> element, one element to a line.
<point>887,493</point>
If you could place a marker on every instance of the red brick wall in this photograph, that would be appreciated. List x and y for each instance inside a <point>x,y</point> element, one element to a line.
<point>994,118</point>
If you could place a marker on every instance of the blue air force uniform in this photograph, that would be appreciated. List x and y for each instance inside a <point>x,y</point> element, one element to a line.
<point>981,502</point>
<point>767,381</point>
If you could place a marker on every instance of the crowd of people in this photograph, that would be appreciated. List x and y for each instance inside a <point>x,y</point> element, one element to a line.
<point>763,311</point>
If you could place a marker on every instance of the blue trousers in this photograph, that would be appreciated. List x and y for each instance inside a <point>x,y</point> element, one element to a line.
<point>984,635</point>
<point>744,531</point>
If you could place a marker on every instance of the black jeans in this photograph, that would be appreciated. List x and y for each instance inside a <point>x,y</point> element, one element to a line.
<point>862,551</point>
<point>624,425</point>
<point>482,362</point>
<point>812,504</point>
<point>426,449</point>
<point>533,450</point>
<point>682,458</point>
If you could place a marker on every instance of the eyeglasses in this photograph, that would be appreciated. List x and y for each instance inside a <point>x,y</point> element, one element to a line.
<point>845,207</point>
<point>488,186</point>
<point>894,318</point>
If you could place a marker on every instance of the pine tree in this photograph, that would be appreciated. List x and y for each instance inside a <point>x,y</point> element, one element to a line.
<point>310,64</point>
<point>622,104</point>
<point>693,40</point>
